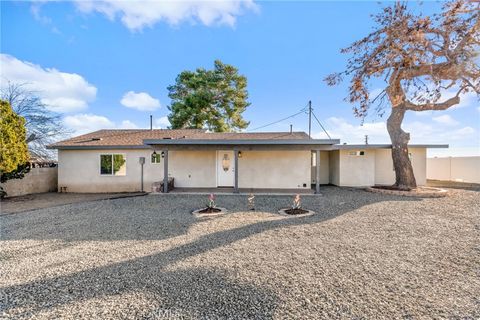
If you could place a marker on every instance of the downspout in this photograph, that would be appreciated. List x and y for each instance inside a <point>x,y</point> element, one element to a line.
<point>142,162</point>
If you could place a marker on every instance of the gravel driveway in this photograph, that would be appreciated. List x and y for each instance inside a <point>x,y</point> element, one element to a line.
<point>363,255</point>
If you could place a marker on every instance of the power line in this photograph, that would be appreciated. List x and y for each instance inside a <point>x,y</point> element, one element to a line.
<point>321,125</point>
<point>275,122</point>
<point>310,119</point>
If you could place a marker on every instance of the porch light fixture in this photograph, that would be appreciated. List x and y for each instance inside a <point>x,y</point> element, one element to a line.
<point>154,153</point>
<point>163,154</point>
<point>239,154</point>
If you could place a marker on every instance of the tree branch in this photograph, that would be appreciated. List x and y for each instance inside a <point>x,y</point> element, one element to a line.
<point>433,106</point>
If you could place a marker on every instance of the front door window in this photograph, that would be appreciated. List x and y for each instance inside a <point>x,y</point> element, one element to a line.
<point>225,168</point>
<point>226,162</point>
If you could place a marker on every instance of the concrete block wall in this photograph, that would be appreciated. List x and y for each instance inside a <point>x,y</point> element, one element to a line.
<point>38,180</point>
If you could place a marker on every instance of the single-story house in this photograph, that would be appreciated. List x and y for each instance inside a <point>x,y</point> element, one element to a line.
<point>126,160</point>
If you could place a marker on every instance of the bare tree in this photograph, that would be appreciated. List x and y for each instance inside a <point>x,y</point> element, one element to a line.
<point>43,126</point>
<point>422,59</point>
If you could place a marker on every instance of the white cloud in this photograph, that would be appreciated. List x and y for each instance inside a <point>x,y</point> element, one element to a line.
<point>355,133</point>
<point>136,15</point>
<point>127,124</point>
<point>446,120</point>
<point>35,10</point>
<point>465,131</point>
<point>141,101</point>
<point>162,122</point>
<point>60,91</point>
<point>420,133</point>
<point>85,123</point>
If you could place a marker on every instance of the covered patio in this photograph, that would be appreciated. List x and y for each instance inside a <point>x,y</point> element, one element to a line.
<point>272,150</point>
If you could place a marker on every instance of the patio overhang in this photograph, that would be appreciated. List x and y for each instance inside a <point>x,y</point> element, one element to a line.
<point>166,145</point>
<point>264,144</point>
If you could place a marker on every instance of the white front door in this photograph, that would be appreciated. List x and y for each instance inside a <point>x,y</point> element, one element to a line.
<point>225,169</point>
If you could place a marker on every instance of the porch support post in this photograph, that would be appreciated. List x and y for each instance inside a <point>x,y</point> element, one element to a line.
<point>317,171</point>
<point>165,171</point>
<point>235,188</point>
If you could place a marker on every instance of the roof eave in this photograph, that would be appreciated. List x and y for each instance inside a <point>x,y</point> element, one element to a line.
<point>99,147</point>
<point>241,142</point>
<point>386,146</point>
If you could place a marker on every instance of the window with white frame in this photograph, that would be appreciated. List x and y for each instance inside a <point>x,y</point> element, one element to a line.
<point>113,164</point>
<point>156,157</point>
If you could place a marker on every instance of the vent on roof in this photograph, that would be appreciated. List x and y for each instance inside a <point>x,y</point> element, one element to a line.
<point>89,140</point>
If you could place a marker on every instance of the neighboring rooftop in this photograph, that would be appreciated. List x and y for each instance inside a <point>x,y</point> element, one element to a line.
<point>136,137</point>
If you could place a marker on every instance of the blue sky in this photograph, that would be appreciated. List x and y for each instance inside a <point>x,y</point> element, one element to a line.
<point>108,63</point>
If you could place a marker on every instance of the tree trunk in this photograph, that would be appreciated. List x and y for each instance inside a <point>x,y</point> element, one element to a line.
<point>404,178</point>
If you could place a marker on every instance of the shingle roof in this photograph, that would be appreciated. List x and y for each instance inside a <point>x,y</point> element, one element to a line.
<point>135,137</point>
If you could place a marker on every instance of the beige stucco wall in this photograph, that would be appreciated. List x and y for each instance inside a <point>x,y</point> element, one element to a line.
<point>374,167</point>
<point>193,168</point>
<point>79,170</point>
<point>357,171</point>
<point>324,168</point>
<point>334,167</point>
<point>38,180</point>
<point>385,174</point>
<point>274,169</point>
<point>462,169</point>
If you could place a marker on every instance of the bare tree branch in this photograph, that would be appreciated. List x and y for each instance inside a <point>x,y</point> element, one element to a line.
<point>433,106</point>
<point>43,126</point>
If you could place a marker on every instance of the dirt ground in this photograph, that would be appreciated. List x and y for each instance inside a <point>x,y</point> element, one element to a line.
<point>53,199</point>
<point>453,185</point>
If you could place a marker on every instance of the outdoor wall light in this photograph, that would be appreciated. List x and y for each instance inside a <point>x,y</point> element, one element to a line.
<point>163,154</point>
<point>239,154</point>
<point>154,154</point>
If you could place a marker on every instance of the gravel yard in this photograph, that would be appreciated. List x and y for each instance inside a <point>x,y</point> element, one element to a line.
<point>52,199</point>
<point>362,255</point>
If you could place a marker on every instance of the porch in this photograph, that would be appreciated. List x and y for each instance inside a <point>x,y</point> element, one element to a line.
<point>242,166</point>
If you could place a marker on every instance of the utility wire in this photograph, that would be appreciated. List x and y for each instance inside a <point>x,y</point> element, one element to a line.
<point>275,122</point>
<point>321,125</point>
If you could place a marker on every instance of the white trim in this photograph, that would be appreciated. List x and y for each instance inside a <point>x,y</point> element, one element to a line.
<point>155,163</point>
<point>217,167</point>
<point>111,174</point>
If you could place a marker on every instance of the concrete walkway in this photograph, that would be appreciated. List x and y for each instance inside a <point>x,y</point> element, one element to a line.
<point>242,191</point>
